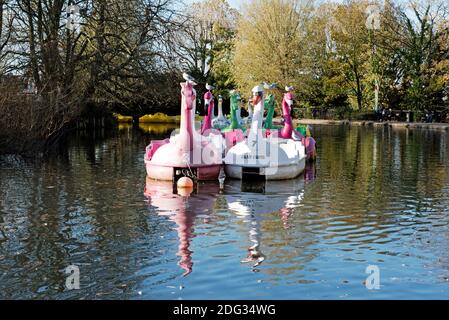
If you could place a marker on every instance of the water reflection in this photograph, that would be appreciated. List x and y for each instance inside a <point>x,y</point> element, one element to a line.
<point>125,126</point>
<point>252,200</point>
<point>157,128</point>
<point>375,196</point>
<point>182,208</point>
<point>310,172</point>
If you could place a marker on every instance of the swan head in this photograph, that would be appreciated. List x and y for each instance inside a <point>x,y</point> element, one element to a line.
<point>289,89</point>
<point>288,97</point>
<point>235,98</point>
<point>188,93</point>
<point>208,97</point>
<point>257,94</point>
<point>236,95</point>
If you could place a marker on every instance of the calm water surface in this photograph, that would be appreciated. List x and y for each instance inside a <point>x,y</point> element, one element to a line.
<point>375,197</point>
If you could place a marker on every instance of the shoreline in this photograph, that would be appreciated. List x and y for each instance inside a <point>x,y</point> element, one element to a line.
<point>405,125</point>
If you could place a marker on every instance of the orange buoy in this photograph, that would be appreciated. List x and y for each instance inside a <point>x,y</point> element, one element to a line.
<point>185,182</point>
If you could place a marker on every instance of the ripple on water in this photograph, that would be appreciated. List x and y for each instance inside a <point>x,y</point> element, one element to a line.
<point>379,197</point>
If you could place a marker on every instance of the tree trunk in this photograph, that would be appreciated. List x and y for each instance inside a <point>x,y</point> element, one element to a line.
<point>359,92</point>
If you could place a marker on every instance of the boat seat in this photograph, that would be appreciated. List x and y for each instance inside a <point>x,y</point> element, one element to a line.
<point>153,146</point>
<point>233,137</point>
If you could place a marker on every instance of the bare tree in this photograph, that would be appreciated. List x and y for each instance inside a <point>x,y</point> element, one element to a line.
<point>6,32</point>
<point>108,59</point>
<point>205,26</point>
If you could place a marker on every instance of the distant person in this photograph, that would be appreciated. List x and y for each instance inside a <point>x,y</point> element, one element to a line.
<point>427,116</point>
<point>314,113</point>
<point>379,114</point>
<point>384,114</point>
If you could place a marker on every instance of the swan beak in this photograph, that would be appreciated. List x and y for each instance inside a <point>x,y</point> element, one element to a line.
<point>256,99</point>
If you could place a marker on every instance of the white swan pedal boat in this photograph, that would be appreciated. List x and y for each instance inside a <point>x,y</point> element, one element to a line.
<point>262,158</point>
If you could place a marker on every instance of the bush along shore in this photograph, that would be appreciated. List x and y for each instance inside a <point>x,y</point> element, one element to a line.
<point>35,136</point>
<point>30,129</point>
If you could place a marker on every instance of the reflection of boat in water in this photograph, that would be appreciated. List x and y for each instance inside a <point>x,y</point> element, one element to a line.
<point>310,171</point>
<point>262,198</point>
<point>182,208</point>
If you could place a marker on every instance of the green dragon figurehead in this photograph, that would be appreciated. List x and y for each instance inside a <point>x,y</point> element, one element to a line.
<point>270,105</point>
<point>235,102</point>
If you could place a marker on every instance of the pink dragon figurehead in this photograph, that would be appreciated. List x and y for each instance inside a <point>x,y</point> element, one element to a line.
<point>208,99</point>
<point>288,98</point>
<point>287,103</point>
<point>209,108</point>
<point>188,96</point>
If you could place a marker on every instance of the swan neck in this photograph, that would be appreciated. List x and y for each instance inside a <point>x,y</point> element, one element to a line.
<point>220,109</point>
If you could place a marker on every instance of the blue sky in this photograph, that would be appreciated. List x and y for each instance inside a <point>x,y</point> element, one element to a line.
<point>235,3</point>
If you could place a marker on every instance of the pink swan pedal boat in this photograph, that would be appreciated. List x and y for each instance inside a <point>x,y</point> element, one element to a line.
<point>187,155</point>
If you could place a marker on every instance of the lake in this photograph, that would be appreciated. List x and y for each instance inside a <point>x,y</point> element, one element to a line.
<point>377,198</point>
